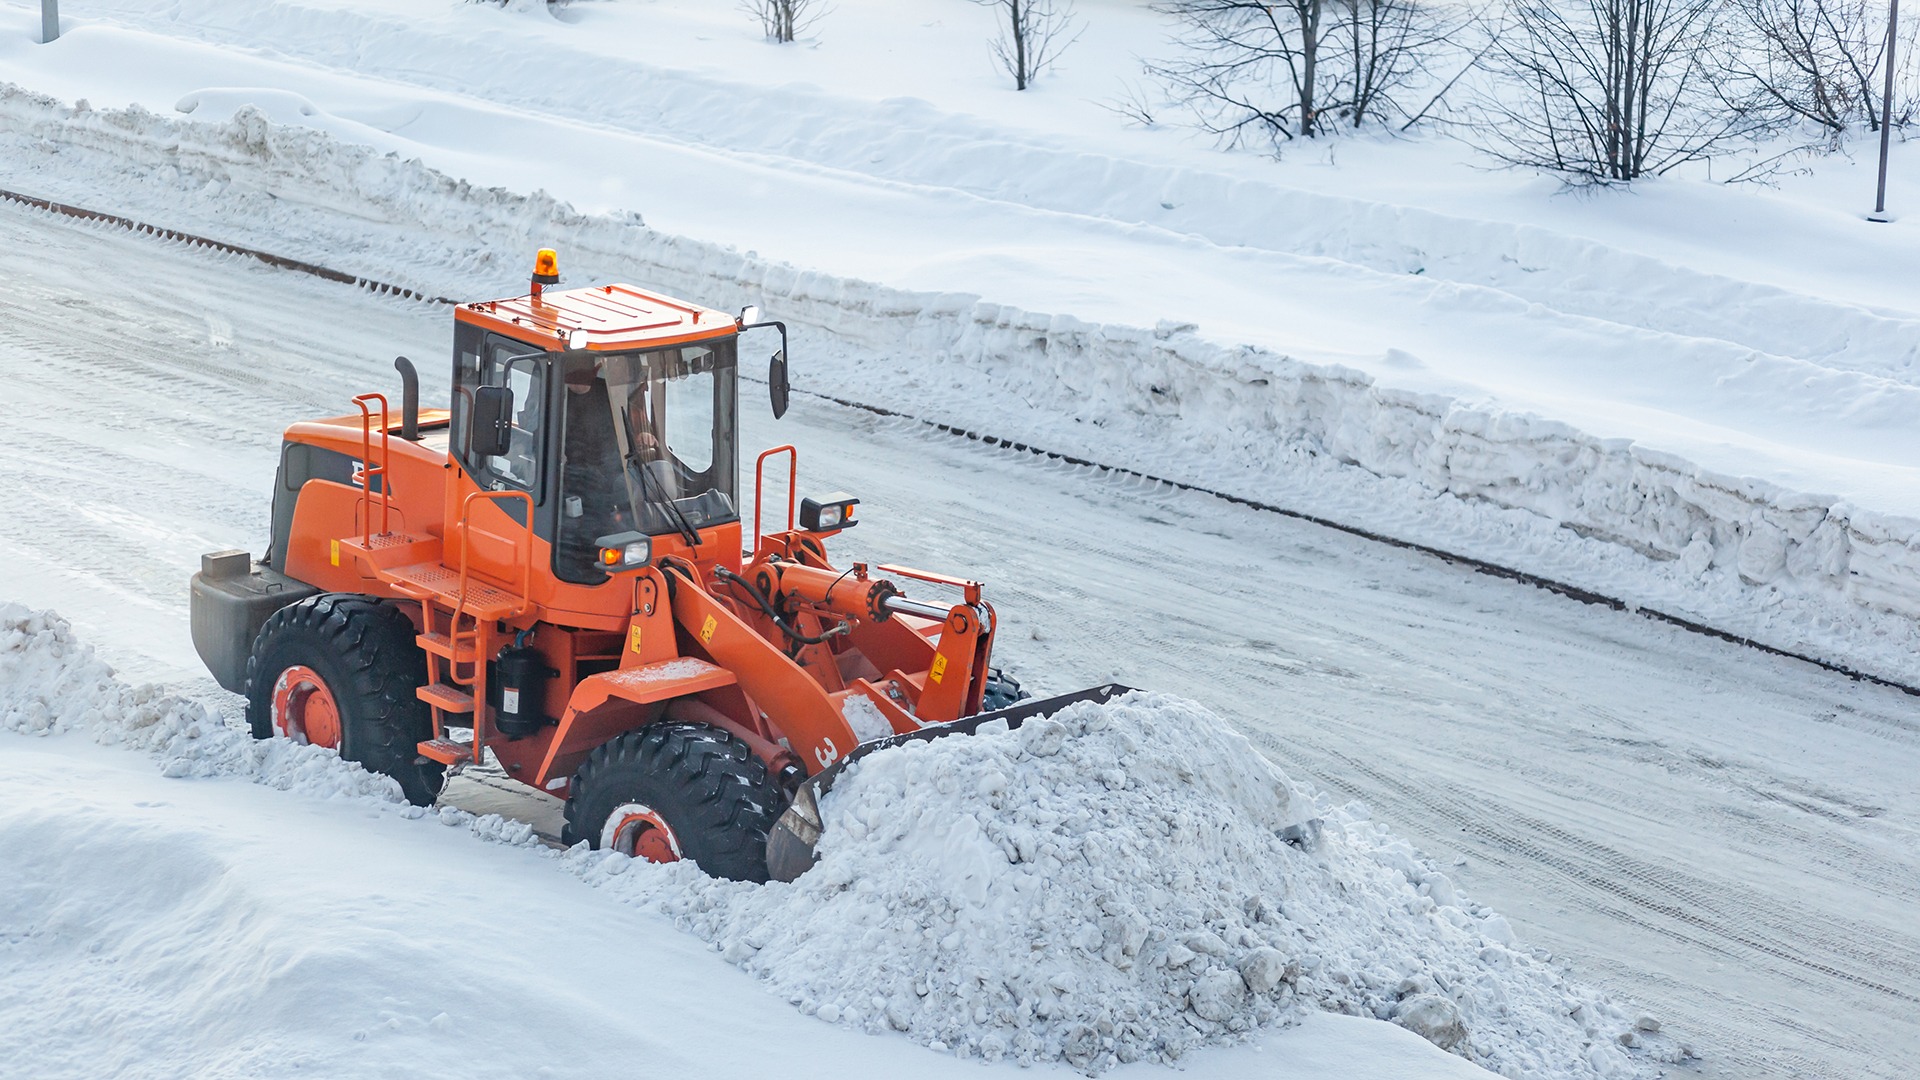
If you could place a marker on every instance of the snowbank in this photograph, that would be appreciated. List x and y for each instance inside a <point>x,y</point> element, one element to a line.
<point>1133,881</point>
<point>703,95</point>
<point>51,682</point>
<point>1116,883</point>
<point>1793,569</point>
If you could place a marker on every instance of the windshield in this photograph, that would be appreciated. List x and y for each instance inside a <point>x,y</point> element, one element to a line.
<point>649,446</point>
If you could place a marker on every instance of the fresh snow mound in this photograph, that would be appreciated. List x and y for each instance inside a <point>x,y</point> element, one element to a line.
<point>1132,881</point>
<point>51,682</point>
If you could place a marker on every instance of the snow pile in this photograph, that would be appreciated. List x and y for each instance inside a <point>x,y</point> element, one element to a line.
<point>51,682</point>
<point>1133,881</point>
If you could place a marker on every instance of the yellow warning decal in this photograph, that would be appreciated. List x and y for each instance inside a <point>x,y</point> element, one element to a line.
<point>334,553</point>
<point>939,668</point>
<point>633,638</point>
<point>707,628</point>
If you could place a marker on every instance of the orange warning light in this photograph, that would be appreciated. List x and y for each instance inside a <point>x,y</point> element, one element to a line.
<point>546,267</point>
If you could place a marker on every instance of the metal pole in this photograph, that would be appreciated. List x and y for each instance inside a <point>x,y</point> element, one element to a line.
<point>49,20</point>
<point>1886,112</point>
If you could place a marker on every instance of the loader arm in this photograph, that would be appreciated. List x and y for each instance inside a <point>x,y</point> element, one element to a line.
<point>799,707</point>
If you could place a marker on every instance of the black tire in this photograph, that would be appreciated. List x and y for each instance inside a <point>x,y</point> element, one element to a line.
<point>706,784</point>
<point>1002,690</point>
<point>365,652</point>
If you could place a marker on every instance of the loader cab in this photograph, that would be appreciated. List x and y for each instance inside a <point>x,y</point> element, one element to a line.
<point>627,426</point>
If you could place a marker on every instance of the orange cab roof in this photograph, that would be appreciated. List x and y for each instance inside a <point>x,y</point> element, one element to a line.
<point>615,317</point>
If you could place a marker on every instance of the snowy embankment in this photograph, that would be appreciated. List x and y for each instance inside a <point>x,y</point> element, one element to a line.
<point>1117,883</point>
<point>1799,570</point>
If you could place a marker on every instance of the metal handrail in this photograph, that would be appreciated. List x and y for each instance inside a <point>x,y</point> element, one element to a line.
<point>481,728</point>
<point>466,558</point>
<point>759,478</point>
<point>368,470</point>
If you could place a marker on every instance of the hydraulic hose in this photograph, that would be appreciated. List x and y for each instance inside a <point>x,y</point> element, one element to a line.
<point>760,600</point>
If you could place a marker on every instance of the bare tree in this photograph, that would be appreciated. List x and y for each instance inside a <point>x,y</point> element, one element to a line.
<point>1033,34</point>
<point>1247,66</point>
<point>1388,46</point>
<point>783,20</point>
<point>1608,90</point>
<point>1297,67</point>
<point>1814,61</point>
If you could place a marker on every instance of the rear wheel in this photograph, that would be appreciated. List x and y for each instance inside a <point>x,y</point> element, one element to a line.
<point>674,791</point>
<point>340,671</point>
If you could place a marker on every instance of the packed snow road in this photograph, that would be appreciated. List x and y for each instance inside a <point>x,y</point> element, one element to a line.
<point>1728,839</point>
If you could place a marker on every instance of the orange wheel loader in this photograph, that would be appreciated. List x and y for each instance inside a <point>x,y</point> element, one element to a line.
<point>552,572</point>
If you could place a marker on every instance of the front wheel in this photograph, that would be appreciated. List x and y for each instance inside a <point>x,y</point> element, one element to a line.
<point>1001,691</point>
<point>340,670</point>
<point>673,791</point>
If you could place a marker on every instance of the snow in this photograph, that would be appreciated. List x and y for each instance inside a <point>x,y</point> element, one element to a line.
<point>865,718</point>
<point>1684,398</point>
<point>1721,836</point>
<point>638,677</point>
<point>1134,881</point>
<point>1689,397</point>
<point>157,922</point>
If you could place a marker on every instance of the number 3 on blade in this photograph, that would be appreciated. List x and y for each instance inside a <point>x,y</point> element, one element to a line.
<point>827,754</point>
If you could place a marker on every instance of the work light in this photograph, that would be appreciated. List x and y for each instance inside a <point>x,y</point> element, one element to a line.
<point>624,551</point>
<point>829,514</point>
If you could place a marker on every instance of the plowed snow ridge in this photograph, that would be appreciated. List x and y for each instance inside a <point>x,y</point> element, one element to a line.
<point>1792,569</point>
<point>1120,882</point>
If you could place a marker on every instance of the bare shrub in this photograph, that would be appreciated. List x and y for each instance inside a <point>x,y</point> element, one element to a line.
<point>1608,90</point>
<point>1818,62</point>
<point>1298,68</point>
<point>783,20</point>
<point>1033,34</point>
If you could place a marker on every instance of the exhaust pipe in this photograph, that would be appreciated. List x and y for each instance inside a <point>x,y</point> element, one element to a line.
<point>409,399</point>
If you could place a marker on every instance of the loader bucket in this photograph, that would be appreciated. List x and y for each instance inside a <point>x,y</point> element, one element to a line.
<point>791,842</point>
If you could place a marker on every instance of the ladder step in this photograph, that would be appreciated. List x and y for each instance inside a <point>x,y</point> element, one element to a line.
<point>438,644</point>
<point>446,698</point>
<point>446,751</point>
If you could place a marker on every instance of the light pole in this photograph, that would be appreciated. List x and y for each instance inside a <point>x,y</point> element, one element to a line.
<point>1886,113</point>
<point>49,20</point>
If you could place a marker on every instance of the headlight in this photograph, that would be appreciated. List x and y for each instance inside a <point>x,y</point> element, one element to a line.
<point>624,551</point>
<point>828,514</point>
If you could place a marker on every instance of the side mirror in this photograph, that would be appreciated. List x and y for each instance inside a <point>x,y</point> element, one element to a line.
<point>490,422</point>
<point>778,389</point>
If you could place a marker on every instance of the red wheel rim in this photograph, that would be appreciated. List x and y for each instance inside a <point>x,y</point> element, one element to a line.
<point>304,709</point>
<point>636,830</point>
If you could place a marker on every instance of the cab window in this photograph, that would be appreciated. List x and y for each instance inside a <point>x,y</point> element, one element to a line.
<point>498,361</point>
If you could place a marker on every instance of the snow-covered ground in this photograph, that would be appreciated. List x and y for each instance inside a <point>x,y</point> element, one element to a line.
<point>1723,838</point>
<point>181,900</point>
<point>218,947</point>
<point>1713,381</point>
<point>1686,396</point>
